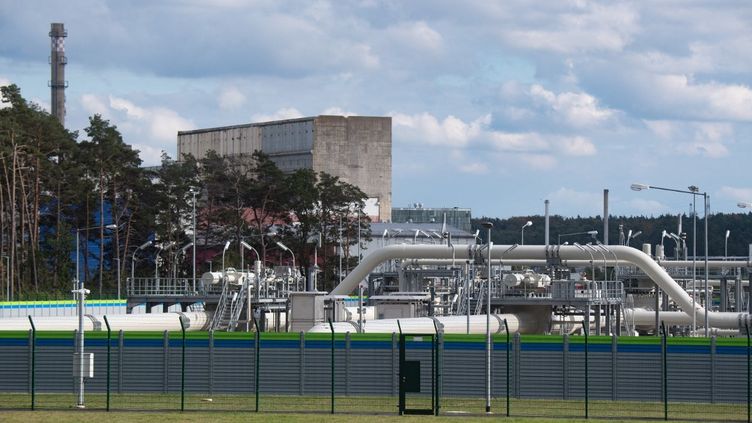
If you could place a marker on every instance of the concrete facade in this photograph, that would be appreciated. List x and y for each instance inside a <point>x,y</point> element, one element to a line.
<point>357,149</point>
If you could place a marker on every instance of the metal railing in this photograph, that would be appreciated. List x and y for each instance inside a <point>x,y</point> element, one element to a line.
<point>167,287</point>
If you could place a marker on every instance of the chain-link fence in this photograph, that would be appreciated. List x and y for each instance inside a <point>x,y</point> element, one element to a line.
<point>658,377</point>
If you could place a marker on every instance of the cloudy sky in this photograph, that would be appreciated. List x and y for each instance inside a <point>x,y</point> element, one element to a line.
<point>496,105</point>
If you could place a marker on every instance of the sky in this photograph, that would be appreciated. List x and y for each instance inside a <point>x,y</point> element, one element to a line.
<point>495,105</point>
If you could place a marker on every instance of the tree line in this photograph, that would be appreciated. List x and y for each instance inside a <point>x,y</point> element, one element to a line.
<point>57,185</point>
<point>739,225</point>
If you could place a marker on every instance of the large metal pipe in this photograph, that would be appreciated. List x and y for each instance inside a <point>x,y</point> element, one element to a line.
<point>622,253</point>
<point>195,321</point>
<point>522,323</point>
<point>713,264</point>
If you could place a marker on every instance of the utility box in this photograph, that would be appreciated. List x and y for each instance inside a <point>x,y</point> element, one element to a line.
<point>88,366</point>
<point>306,310</point>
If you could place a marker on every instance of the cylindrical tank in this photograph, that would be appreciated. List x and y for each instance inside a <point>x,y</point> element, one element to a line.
<point>511,280</point>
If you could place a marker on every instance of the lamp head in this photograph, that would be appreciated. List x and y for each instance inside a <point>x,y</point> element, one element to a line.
<point>144,245</point>
<point>728,232</point>
<point>227,245</point>
<point>245,244</point>
<point>639,187</point>
<point>529,223</point>
<point>282,246</point>
<point>184,249</point>
<point>487,225</point>
<point>629,234</point>
<point>592,233</point>
<point>693,188</point>
<point>636,234</point>
<point>111,226</point>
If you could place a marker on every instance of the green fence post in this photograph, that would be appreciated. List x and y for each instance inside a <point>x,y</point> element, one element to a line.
<point>506,327</point>
<point>109,336</point>
<point>749,373</point>
<point>182,366</point>
<point>33,362</point>
<point>257,354</point>
<point>664,348</point>
<point>586,330</point>
<point>331,326</point>
<point>437,374</point>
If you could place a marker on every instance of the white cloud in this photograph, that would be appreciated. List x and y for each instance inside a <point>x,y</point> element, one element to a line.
<point>576,109</point>
<point>576,146</point>
<point>337,111</point>
<point>281,114</point>
<point>151,129</point>
<point>231,98</point>
<point>585,27</point>
<point>708,139</point>
<point>737,194</point>
<point>44,104</point>
<point>426,128</point>
<point>520,142</point>
<point>473,168</point>
<point>580,202</point>
<point>419,35</point>
<point>539,161</point>
<point>95,105</point>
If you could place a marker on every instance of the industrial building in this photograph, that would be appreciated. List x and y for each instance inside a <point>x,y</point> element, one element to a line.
<point>357,149</point>
<point>453,216</point>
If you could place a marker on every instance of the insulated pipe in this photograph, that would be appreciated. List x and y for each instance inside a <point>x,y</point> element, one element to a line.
<point>143,322</point>
<point>522,323</point>
<point>623,253</point>
<point>643,317</point>
<point>713,264</point>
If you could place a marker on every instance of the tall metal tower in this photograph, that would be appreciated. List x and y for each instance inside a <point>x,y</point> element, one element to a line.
<point>57,68</point>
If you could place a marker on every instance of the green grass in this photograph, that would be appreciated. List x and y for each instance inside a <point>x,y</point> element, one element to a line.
<point>227,407</point>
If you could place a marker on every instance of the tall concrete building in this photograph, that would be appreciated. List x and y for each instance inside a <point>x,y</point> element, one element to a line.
<point>357,149</point>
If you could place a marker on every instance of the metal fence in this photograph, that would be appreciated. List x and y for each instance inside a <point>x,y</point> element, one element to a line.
<point>556,376</point>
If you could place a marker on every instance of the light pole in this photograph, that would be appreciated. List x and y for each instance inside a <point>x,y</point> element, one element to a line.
<point>257,282</point>
<point>489,244</point>
<point>694,191</point>
<point>133,257</point>
<point>224,250</point>
<point>522,232</point>
<point>631,236</point>
<point>725,245</point>
<point>194,191</point>
<point>284,248</point>
<point>81,297</point>
<point>592,233</point>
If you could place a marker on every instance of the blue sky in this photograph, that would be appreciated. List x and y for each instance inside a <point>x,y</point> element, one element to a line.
<point>496,106</point>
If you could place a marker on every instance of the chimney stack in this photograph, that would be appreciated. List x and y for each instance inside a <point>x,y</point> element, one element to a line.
<point>57,68</point>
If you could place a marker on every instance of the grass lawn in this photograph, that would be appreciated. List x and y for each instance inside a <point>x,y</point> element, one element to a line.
<point>87,416</point>
<point>59,408</point>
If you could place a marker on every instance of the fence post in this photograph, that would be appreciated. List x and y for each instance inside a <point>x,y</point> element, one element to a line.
<point>257,354</point>
<point>436,367</point>
<point>182,365</point>
<point>33,362</point>
<point>506,327</point>
<point>121,344</point>
<point>109,337</point>
<point>331,327</point>
<point>664,362</point>
<point>749,374</point>
<point>301,357</point>
<point>565,366</point>
<point>586,330</point>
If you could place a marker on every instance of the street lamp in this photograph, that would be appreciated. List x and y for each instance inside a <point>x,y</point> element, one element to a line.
<point>224,250</point>
<point>81,297</point>
<point>592,233</point>
<point>694,191</point>
<point>631,236</point>
<point>194,192</point>
<point>133,257</point>
<point>284,248</point>
<point>489,244</point>
<point>522,232</point>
